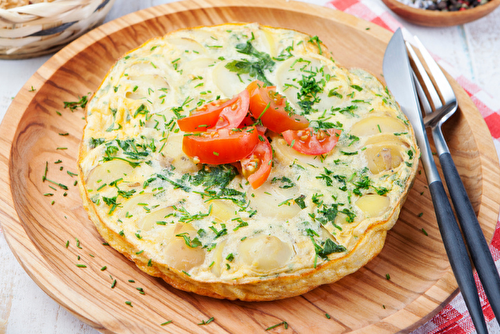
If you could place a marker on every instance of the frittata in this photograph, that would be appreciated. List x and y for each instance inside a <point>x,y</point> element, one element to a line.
<point>241,161</point>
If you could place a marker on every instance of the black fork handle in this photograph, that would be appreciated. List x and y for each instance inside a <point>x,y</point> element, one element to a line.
<point>457,254</point>
<point>478,248</point>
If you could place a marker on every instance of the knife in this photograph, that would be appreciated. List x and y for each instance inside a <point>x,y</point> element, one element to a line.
<point>399,78</point>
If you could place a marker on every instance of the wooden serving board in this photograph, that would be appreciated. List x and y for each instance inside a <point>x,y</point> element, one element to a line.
<point>421,281</point>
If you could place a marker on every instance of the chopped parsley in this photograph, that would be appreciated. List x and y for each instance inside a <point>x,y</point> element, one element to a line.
<point>284,181</point>
<point>317,41</point>
<point>215,176</point>
<point>255,68</point>
<point>333,92</point>
<point>300,201</point>
<point>284,323</point>
<point>203,322</point>
<point>324,248</point>
<point>111,201</point>
<point>309,90</point>
<point>82,103</point>
<point>187,239</point>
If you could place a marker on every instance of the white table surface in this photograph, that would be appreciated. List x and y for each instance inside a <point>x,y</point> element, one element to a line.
<point>472,48</point>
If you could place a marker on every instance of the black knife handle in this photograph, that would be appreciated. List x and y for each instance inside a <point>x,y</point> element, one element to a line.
<point>478,248</point>
<point>457,254</point>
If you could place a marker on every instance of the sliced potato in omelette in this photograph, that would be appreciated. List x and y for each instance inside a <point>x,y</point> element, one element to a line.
<point>204,228</point>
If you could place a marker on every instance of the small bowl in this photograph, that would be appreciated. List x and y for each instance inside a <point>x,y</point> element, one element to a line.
<point>432,18</point>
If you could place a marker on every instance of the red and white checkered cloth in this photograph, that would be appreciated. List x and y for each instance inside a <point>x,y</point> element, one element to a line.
<point>454,318</point>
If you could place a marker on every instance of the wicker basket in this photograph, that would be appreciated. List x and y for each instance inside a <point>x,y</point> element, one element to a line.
<point>41,28</point>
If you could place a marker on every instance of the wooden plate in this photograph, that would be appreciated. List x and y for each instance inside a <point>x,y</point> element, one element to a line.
<point>421,281</point>
<point>432,18</point>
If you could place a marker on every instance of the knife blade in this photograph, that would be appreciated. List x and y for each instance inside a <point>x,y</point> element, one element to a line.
<point>399,78</point>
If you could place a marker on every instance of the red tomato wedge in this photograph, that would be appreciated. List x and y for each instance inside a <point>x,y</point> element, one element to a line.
<point>204,117</point>
<point>232,116</point>
<point>256,167</point>
<point>222,146</point>
<point>312,142</point>
<point>210,114</point>
<point>268,105</point>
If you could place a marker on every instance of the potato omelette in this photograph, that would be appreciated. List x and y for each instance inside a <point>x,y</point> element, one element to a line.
<point>241,161</point>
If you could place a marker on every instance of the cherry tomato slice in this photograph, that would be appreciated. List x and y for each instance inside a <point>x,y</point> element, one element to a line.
<point>268,105</point>
<point>255,85</point>
<point>220,113</point>
<point>256,167</point>
<point>232,116</point>
<point>204,117</point>
<point>221,146</point>
<point>312,142</point>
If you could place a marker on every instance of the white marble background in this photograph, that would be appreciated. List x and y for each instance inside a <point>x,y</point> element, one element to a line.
<point>473,49</point>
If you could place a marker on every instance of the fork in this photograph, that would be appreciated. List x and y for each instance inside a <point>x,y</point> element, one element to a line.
<point>434,119</point>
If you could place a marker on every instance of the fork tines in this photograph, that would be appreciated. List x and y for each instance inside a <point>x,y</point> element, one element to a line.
<point>432,96</point>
